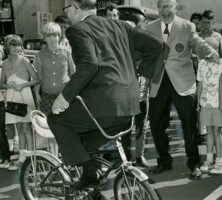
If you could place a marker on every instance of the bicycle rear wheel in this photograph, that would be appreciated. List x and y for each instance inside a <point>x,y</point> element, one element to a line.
<point>130,188</point>
<point>53,187</point>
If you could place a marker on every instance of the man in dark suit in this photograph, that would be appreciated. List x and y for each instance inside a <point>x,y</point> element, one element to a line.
<point>104,53</point>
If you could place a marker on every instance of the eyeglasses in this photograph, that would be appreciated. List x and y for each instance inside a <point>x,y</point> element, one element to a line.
<point>166,7</point>
<point>66,7</point>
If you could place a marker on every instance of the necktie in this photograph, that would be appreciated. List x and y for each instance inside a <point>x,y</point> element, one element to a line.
<point>166,31</point>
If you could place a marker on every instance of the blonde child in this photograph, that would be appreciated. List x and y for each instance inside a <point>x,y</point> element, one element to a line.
<point>54,66</point>
<point>15,78</point>
<point>208,76</point>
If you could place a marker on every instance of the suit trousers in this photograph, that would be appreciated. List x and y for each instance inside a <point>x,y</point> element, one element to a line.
<point>76,133</point>
<point>159,114</point>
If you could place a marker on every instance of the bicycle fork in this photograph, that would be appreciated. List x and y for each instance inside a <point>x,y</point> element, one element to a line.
<point>127,167</point>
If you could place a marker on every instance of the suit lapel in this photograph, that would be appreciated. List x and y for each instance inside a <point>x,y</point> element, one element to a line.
<point>174,30</point>
<point>159,30</point>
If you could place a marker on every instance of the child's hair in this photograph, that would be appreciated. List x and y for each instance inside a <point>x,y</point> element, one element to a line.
<point>195,16</point>
<point>62,19</point>
<point>51,27</point>
<point>12,39</point>
<point>208,14</point>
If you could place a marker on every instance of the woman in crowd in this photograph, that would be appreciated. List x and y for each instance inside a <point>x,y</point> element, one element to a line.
<point>17,77</point>
<point>54,66</point>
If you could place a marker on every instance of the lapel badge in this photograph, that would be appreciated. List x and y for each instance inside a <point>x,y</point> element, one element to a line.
<point>179,47</point>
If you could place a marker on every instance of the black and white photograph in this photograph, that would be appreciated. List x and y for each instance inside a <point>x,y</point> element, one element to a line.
<point>110,100</point>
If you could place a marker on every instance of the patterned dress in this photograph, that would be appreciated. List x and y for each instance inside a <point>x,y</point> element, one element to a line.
<point>14,74</point>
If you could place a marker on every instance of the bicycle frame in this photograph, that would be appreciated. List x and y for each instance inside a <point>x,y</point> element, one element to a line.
<point>125,166</point>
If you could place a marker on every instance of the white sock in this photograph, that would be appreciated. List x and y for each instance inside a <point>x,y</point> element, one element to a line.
<point>218,160</point>
<point>11,144</point>
<point>22,155</point>
<point>210,157</point>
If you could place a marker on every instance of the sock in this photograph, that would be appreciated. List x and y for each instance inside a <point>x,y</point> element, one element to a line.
<point>11,144</point>
<point>210,157</point>
<point>218,161</point>
<point>22,155</point>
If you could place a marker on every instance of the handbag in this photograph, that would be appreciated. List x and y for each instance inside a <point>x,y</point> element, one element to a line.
<point>19,109</point>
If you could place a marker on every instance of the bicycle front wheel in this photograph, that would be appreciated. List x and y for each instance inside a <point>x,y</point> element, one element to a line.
<point>128,187</point>
<point>30,179</point>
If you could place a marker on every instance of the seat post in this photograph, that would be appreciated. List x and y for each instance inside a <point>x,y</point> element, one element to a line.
<point>121,150</point>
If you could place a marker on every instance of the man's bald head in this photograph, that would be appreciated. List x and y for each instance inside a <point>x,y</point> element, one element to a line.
<point>85,4</point>
<point>167,1</point>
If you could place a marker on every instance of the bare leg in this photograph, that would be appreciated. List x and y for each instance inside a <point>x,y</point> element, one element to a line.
<point>218,141</point>
<point>11,136</point>
<point>210,139</point>
<point>54,147</point>
<point>28,135</point>
<point>22,139</point>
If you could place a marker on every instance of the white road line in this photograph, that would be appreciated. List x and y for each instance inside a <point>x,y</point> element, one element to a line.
<point>215,194</point>
<point>9,188</point>
<point>152,162</point>
<point>171,183</point>
<point>171,143</point>
<point>2,196</point>
<point>176,183</point>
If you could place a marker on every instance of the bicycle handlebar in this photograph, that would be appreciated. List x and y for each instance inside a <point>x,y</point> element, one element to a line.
<point>100,128</point>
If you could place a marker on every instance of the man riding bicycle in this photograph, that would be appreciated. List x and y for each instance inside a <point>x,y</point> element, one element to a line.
<point>104,53</point>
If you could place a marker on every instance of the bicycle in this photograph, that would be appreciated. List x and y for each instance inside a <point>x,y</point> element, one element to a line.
<point>44,176</point>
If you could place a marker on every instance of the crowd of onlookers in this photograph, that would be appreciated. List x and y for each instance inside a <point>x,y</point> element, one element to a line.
<point>38,85</point>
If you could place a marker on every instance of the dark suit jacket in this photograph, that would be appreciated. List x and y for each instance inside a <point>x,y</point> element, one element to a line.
<point>104,53</point>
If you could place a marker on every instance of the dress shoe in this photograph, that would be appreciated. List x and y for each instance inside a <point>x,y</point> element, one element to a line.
<point>91,176</point>
<point>159,169</point>
<point>90,180</point>
<point>141,161</point>
<point>195,174</point>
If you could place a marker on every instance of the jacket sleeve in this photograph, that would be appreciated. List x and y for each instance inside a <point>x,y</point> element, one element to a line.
<point>71,64</point>
<point>85,59</point>
<point>153,52</point>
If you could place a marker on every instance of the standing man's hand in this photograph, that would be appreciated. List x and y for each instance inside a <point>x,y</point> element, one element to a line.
<point>214,56</point>
<point>59,105</point>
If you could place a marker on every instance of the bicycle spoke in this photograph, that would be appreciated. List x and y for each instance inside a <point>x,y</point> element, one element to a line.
<point>128,187</point>
<point>51,188</point>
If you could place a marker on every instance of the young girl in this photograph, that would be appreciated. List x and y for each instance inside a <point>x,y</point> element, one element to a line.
<point>15,78</point>
<point>54,66</point>
<point>208,90</point>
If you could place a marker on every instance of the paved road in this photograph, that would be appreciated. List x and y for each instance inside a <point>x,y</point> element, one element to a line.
<point>171,185</point>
